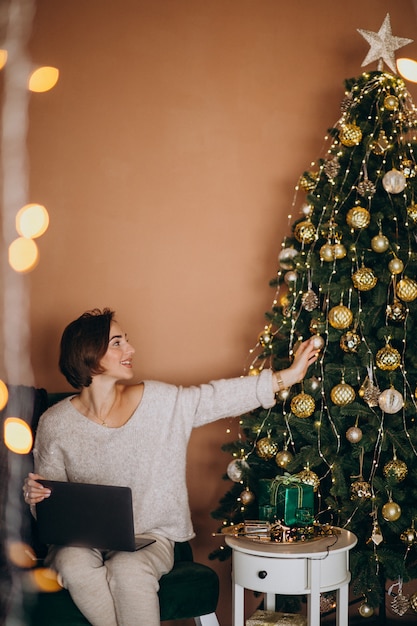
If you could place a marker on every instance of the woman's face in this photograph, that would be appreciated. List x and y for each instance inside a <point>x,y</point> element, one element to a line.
<point>118,360</point>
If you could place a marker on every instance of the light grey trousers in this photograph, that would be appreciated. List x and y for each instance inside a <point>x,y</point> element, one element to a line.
<point>115,588</point>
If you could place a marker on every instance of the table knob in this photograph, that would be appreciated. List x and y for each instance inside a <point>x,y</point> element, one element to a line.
<point>262,574</point>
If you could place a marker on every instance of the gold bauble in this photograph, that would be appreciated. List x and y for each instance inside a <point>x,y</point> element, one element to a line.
<point>390,401</point>
<point>413,602</point>
<point>381,144</point>
<point>327,252</point>
<point>409,536</point>
<point>407,289</point>
<point>303,405</point>
<point>265,338</point>
<point>317,325</point>
<point>309,180</point>
<point>340,316</point>
<point>412,213</point>
<point>408,168</point>
<point>394,181</point>
<point>395,469</point>
<point>396,311</point>
<point>388,358</point>
<point>365,610</point>
<point>283,457</point>
<point>309,478</point>
<point>364,279</point>
<point>305,232</point>
<point>339,251</point>
<point>354,434</point>
<point>391,102</point>
<point>317,342</point>
<point>391,511</point>
<point>395,266</point>
<point>350,135</point>
<point>358,217</point>
<point>350,341</point>
<point>266,448</point>
<point>380,243</point>
<point>247,496</point>
<point>342,394</point>
<point>360,489</point>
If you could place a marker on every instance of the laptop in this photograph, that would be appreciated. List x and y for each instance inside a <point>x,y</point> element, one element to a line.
<point>86,515</point>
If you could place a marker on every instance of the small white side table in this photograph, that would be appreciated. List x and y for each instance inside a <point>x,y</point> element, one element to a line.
<point>293,569</point>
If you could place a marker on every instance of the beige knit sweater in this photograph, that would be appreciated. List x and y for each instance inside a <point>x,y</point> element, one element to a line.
<point>147,453</point>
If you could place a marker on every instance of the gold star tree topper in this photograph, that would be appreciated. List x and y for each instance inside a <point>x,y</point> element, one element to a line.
<point>383,44</point>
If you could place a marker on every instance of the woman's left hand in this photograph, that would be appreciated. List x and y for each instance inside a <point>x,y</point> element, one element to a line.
<point>305,356</point>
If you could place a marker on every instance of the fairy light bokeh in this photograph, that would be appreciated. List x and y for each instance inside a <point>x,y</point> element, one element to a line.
<point>22,222</point>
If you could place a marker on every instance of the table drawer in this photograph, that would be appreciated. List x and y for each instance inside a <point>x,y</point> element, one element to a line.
<point>269,575</point>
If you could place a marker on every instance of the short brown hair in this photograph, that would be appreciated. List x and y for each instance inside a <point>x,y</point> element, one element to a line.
<point>84,342</point>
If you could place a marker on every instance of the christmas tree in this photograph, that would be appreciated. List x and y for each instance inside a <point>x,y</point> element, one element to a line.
<point>347,277</point>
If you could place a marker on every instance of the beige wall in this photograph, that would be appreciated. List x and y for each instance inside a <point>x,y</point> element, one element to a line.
<point>167,157</point>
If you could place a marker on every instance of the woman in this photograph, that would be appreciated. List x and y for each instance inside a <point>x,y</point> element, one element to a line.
<point>118,433</point>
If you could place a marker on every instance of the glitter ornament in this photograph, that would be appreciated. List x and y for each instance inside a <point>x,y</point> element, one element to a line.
<point>303,405</point>
<point>339,251</point>
<point>286,258</point>
<point>395,266</point>
<point>305,232</point>
<point>365,610</point>
<point>317,325</point>
<point>327,252</point>
<point>265,338</point>
<point>395,469</point>
<point>340,317</point>
<point>236,469</point>
<point>308,477</point>
<point>369,392</point>
<point>290,277</point>
<point>266,448</point>
<point>360,489</point>
<point>407,289</point>
<point>381,144</point>
<point>413,602</point>
<point>283,394</point>
<point>380,243</point>
<point>327,602</point>
<point>309,300</point>
<point>308,181</point>
<point>331,168</point>
<point>354,434</point>
<point>283,457</point>
<point>366,188</point>
<point>358,217</point>
<point>318,342</point>
<point>306,209</point>
<point>388,358</point>
<point>364,279</point>
<point>400,604</point>
<point>350,341</point>
<point>247,496</point>
<point>396,311</point>
<point>391,102</point>
<point>409,536</point>
<point>394,181</point>
<point>408,168</point>
<point>342,394</point>
<point>350,135</point>
<point>391,511</point>
<point>412,213</point>
<point>391,401</point>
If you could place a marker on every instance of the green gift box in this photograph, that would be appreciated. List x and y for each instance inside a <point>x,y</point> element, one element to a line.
<point>286,498</point>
